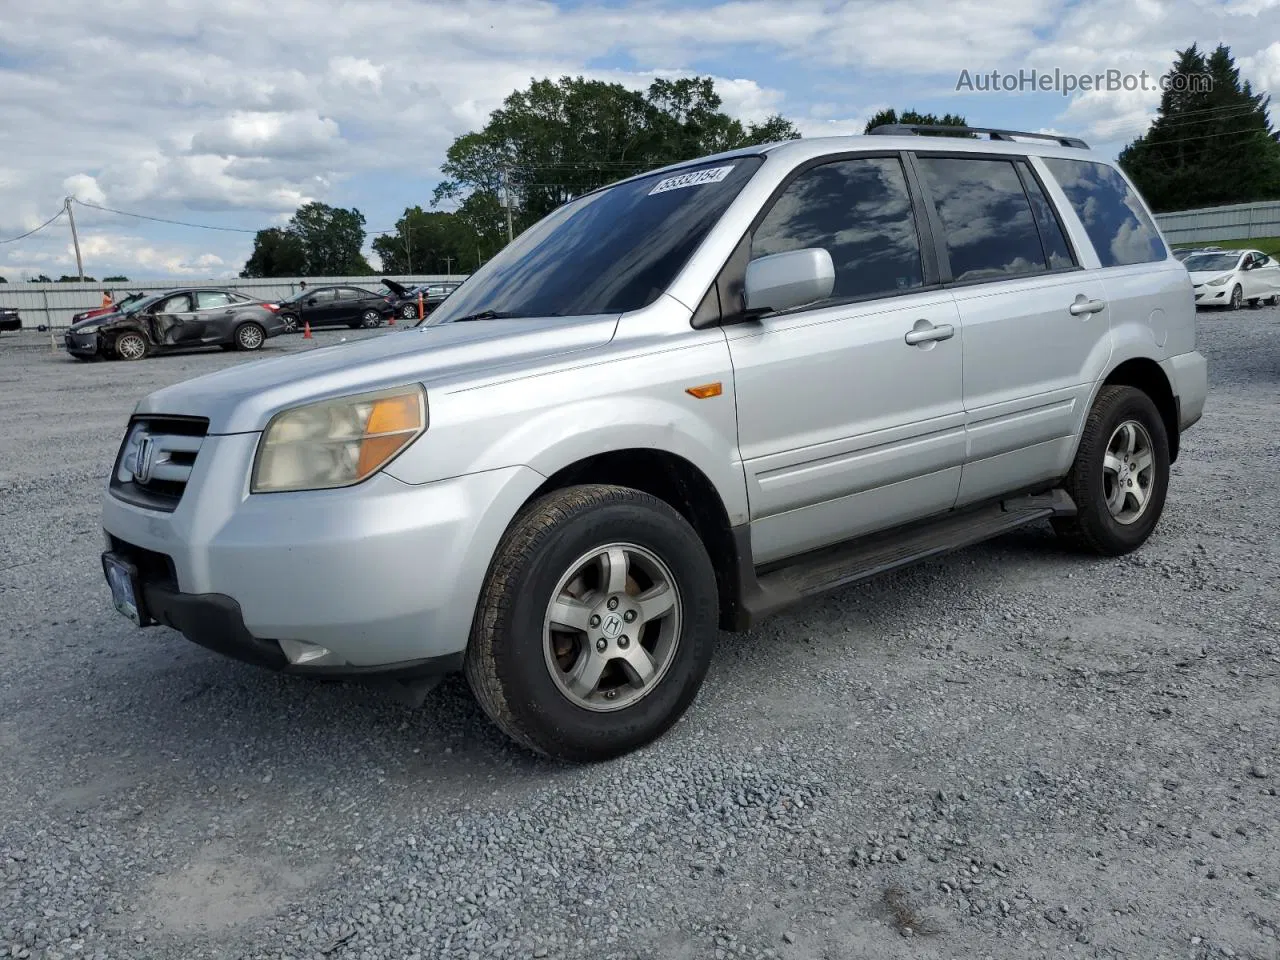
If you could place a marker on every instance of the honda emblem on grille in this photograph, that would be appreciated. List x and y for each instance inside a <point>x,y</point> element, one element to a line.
<point>142,459</point>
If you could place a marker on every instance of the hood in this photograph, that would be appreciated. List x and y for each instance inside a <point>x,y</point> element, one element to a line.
<point>242,399</point>
<point>1204,276</point>
<point>397,288</point>
<point>95,320</point>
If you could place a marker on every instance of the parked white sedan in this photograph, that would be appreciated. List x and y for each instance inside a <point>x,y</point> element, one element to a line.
<point>1230,277</point>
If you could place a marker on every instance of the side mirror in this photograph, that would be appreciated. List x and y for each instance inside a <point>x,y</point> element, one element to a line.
<point>784,280</point>
<point>311,302</point>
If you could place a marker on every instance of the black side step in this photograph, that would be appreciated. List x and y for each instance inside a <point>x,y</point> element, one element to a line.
<point>848,563</point>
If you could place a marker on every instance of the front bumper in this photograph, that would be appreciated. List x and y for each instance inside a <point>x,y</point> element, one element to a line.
<point>381,574</point>
<point>81,344</point>
<point>1207,296</point>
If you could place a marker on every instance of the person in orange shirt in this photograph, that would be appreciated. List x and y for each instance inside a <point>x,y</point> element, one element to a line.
<point>106,299</point>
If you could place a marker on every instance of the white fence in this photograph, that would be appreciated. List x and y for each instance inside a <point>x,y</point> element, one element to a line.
<point>1239,221</point>
<point>54,304</point>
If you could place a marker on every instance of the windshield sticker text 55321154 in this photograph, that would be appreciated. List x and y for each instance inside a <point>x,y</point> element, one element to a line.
<point>695,179</point>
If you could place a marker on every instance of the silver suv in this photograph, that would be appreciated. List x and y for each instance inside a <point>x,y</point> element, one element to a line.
<point>673,406</point>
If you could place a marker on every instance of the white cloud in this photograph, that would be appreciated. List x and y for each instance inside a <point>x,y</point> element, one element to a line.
<point>84,187</point>
<point>247,133</point>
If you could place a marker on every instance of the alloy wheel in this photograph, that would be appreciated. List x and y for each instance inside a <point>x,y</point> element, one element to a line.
<point>1128,470</point>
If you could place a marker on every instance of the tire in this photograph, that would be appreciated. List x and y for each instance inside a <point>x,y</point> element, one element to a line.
<point>130,346</point>
<point>1237,295</point>
<point>1110,519</point>
<point>250,336</point>
<point>409,311</point>
<point>290,322</point>
<point>370,319</point>
<point>521,669</point>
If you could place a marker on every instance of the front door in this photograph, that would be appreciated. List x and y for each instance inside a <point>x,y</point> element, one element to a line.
<point>173,321</point>
<point>318,307</point>
<point>849,410</point>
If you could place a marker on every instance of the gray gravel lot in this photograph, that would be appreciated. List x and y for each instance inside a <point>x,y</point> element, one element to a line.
<point>1009,752</point>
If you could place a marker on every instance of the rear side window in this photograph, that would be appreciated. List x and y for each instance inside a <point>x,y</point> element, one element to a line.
<point>1117,223</point>
<point>987,221</point>
<point>860,212</point>
<point>209,299</point>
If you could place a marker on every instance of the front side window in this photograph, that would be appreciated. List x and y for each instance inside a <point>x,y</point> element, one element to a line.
<point>179,304</point>
<point>612,251</point>
<point>859,211</point>
<point>987,221</point>
<point>1118,224</point>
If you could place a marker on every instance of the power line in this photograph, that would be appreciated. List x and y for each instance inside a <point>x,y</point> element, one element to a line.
<point>178,223</point>
<point>37,229</point>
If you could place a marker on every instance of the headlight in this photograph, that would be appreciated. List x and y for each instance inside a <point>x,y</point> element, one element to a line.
<point>1220,281</point>
<point>336,443</point>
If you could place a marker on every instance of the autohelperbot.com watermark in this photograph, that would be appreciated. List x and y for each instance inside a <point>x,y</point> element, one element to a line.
<point>1065,82</point>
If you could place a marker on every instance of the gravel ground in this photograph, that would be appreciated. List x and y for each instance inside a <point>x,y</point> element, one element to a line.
<point>1009,752</point>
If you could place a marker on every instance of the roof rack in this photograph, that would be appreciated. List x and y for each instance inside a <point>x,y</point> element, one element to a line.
<point>900,129</point>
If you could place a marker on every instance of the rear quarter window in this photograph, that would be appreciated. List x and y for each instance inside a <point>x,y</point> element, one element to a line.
<point>1118,225</point>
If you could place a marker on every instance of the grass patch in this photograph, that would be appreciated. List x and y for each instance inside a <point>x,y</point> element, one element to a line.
<point>1268,245</point>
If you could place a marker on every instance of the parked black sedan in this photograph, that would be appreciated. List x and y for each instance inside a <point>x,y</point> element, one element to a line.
<point>344,305</point>
<point>405,299</point>
<point>176,320</point>
<point>9,319</point>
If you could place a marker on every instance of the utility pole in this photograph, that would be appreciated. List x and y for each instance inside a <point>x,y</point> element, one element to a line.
<point>408,246</point>
<point>448,269</point>
<point>506,193</point>
<point>75,239</point>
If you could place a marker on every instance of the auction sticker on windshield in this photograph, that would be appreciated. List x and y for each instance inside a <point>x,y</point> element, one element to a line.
<point>695,179</point>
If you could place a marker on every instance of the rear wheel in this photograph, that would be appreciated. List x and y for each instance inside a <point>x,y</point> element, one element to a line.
<point>131,346</point>
<point>250,336</point>
<point>597,623</point>
<point>1120,476</point>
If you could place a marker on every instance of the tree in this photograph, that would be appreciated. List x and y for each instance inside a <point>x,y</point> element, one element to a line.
<point>276,253</point>
<point>116,279</point>
<point>1210,143</point>
<point>2,279</point>
<point>318,241</point>
<point>331,238</point>
<point>559,139</point>
<point>41,278</point>
<point>428,242</point>
<point>67,278</point>
<point>910,117</point>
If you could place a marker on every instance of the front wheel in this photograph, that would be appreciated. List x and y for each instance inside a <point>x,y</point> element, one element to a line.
<point>1120,476</point>
<point>289,322</point>
<point>597,623</point>
<point>409,311</point>
<point>1237,297</point>
<point>370,319</point>
<point>131,346</point>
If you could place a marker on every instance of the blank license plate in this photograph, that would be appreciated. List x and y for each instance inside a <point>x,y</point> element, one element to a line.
<point>122,577</point>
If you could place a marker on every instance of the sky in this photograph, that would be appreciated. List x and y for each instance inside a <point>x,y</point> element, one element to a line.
<point>231,113</point>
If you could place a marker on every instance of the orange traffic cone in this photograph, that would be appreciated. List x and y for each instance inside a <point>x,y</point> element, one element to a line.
<point>306,330</point>
<point>392,319</point>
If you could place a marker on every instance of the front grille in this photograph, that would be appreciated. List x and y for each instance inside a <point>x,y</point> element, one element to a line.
<point>156,459</point>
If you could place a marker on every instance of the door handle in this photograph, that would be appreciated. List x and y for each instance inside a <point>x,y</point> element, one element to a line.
<point>921,333</point>
<point>1083,306</point>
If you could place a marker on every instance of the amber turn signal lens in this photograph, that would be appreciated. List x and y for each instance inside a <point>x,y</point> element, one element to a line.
<point>706,390</point>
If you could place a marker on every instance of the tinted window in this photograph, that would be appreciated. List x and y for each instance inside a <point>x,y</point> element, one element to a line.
<point>986,217</point>
<point>1112,214</point>
<point>353,293</point>
<point>1054,240</point>
<point>323,295</point>
<point>859,211</point>
<point>611,251</point>
<point>208,299</point>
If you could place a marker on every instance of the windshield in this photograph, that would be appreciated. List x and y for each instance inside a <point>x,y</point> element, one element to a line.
<point>139,304</point>
<point>608,252</point>
<point>1204,262</point>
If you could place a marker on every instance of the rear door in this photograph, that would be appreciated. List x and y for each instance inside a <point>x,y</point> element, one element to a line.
<point>1268,274</point>
<point>214,316</point>
<point>1035,324</point>
<point>849,409</point>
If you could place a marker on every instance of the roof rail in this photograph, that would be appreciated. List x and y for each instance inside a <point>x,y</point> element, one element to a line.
<point>900,129</point>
